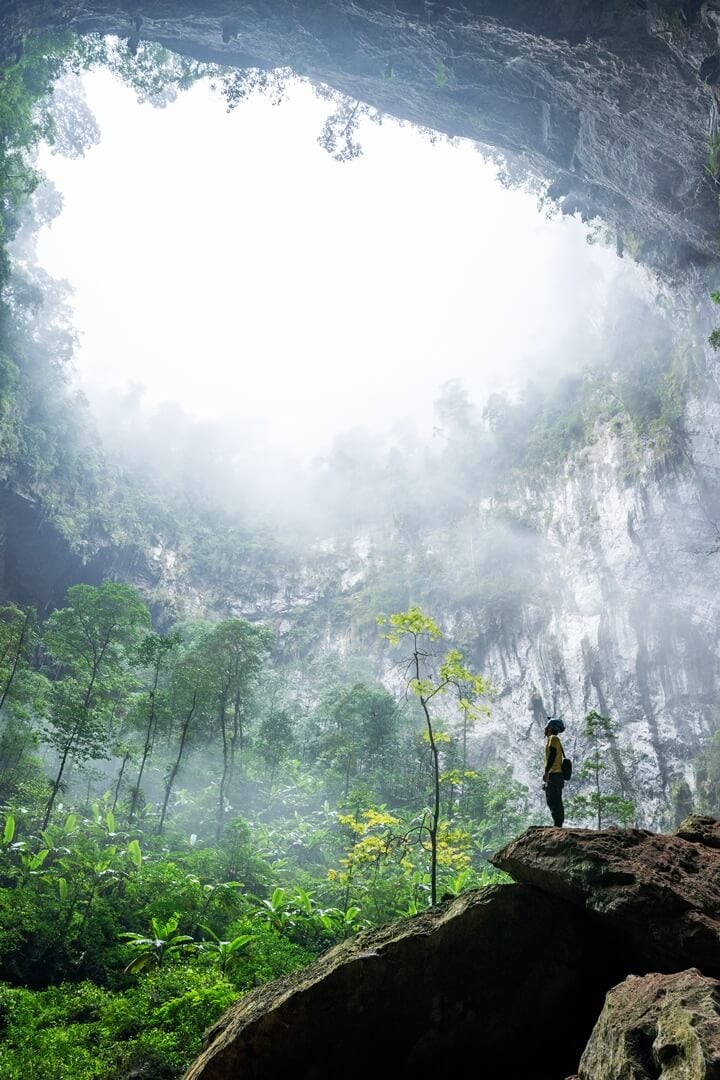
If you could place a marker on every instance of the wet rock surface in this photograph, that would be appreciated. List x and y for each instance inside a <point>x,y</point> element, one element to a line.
<point>613,104</point>
<point>486,976</point>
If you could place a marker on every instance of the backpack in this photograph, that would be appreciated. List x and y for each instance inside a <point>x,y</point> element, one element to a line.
<point>566,768</point>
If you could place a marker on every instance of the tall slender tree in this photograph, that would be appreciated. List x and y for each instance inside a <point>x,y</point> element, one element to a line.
<point>190,700</point>
<point>18,637</point>
<point>22,691</point>
<point>600,770</point>
<point>88,640</point>
<point>154,654</point>
<point>421,632</point>
<point>235,652</point>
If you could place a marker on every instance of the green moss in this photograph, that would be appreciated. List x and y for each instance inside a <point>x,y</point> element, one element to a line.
<point>441,75</point>
<point>677,1044</point>
<point>713,157</point>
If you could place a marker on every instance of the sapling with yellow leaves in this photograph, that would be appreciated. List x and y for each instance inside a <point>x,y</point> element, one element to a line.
<point>421,634</point>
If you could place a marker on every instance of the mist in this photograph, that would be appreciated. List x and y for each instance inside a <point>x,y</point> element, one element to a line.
<point>293,314</point>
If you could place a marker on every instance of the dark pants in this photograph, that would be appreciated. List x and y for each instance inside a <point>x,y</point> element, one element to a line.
<point>553,797</point>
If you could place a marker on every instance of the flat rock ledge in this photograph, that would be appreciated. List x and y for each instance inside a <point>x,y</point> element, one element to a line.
<point>660,891</point>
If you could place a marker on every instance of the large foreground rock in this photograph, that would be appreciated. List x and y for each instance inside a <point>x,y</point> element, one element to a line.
<point>481,979</point>
<point>484,978</point>
<point>662,893</point>
<point>658,1026</point>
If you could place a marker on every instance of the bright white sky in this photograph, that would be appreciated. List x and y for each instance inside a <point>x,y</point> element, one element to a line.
<point>226,262</point>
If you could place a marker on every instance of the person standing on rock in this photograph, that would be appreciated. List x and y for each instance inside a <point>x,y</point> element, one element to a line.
<point>553,782</point>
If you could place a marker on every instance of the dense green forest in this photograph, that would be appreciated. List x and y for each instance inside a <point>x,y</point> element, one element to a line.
<point>193,804</point>
<point>238,831</point>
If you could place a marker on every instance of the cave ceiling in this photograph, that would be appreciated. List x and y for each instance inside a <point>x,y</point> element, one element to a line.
<point>611,107</point>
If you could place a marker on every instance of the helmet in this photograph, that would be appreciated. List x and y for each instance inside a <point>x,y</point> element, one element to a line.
<point>556,724</point>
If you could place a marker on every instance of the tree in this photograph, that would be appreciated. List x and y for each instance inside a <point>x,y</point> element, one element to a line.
<point>185,701</point>
<point>154,653</point>
<point>75,128</point>
<point>354,732</point>
<point>339,135</point>
<point>707,777</point>
<point>596,768</point>
<point>276,730</point>
<point>89,642</point>
<point>18,637</point>
<point>376,716</point>
<point>22,695</point>
<point>420,631</point>
<point>495,807</point>
<point>24,121</point>
<point>235,651</point>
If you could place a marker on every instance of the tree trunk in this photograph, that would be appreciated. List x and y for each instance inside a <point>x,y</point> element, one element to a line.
<point>176,766</point>
<point>223,778</point>
<point>236,739</point>
<point>119,779</point>
<point>433,830</point>
<point>58,779</point>
<point>149,740</point>
<point>16,661</point>
<point>70,745</point>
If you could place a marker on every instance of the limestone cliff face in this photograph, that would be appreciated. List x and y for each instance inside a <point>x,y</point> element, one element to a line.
<point>611,102</point>
<point>630,622</point>
<point>622,615</point>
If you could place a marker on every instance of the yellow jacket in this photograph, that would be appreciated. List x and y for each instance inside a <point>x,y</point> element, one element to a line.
<point>553,762</point>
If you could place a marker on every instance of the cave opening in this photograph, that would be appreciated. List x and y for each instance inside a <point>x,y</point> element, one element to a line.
<point>266,275</point>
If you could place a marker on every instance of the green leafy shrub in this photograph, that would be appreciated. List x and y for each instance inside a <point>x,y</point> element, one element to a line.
<point>83,1032</point>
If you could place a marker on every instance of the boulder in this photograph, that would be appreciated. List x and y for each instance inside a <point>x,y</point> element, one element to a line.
<point>657,1026</point>
<point>610,941</point>
<point>481,978</point>
<point>661,893</point>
